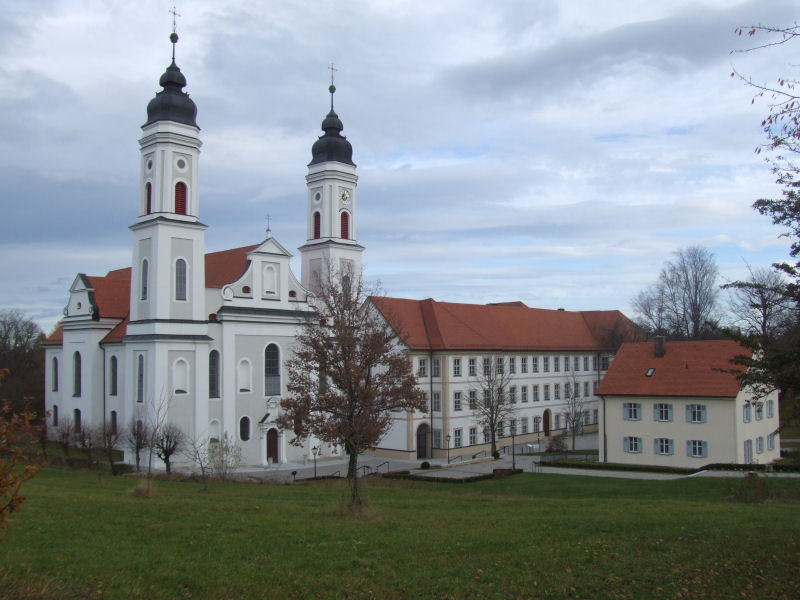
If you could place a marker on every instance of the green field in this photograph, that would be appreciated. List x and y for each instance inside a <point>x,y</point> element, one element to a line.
<point>530,535</point>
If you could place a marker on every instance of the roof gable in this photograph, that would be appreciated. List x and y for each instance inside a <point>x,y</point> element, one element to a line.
<point>697,368</point>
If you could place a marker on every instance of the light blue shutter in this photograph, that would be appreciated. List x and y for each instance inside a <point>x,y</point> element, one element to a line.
<point>655,446</point>
<point>688,447</point>
<point>705,449</point>
<point>671,447</point>
<point>702,413</point>
<point>655,412</point>
<point>669,414</point>
<point>688,413</point>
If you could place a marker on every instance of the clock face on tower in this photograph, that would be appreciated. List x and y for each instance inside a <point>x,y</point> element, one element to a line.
<point>345,195</point>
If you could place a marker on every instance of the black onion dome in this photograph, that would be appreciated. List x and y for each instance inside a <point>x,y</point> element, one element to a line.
<point>172,103</point>
<point>332,146</point>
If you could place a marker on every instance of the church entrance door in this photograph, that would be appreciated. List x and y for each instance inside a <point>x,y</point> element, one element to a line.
<point>272,445</point>
<point>546,420</point>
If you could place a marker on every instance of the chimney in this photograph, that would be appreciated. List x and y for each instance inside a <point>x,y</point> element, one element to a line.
<point>660,346</point>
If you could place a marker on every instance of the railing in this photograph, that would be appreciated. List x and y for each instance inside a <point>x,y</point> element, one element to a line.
<point>459,457</point>
<point>482,452</point>
<point>336,474</point>
<point>378,468</point>
<point>366,469</point>
<point>557,456</point>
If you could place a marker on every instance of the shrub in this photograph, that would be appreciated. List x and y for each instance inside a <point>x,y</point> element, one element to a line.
<point>425,465</point>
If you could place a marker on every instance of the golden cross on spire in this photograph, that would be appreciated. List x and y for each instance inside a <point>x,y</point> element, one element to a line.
<point>332,70</point>
<point>175,14</point>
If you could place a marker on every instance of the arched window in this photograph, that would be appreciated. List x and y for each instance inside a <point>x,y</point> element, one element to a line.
<point>244,375</point>
<point>140,378</point>
<point>180,279</point>
<point>244,428</point>
<point>148,197</point>
<point>345,219</point>
<point>317,226</point>
<point>76,374</point>
<point>180,377</point>
<point>55,415</point>
<point>114,374</point>
<point>114,422</point>
<point>270,280</point>
<point>145,277</point>
<point>54,375</point>
<point>272,371</point>
<point>76,420</point>
<point>180,198</point>
<point>213,374</point>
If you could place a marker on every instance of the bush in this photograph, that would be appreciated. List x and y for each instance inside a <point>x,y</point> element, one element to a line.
<point>425,465</point>
<point>496,455</point>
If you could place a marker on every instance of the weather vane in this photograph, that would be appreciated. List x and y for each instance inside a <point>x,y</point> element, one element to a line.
<point>268,222</point>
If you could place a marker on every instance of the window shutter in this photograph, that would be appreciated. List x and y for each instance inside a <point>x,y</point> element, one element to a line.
<point>669,414</point>
<point>655,446</point>
<point>688,447</point>
<point>655,412</point>
<point>702,413</point>
<point>705,449</point>
<point>688,413</point>
<point>671,447</point>
<point>625,445</point>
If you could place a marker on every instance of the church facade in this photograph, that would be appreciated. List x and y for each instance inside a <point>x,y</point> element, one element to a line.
<point>200,340</point>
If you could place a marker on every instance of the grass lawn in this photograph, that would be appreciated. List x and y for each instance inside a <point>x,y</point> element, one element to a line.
<point>531,535</point>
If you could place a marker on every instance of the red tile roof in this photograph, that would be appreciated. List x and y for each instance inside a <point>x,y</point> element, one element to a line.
<point>115,335</point>
<point>56,338</point>
<point>112,293</point>
<point>431,325</point>
<point>226,266</point>
<point>686,369</point>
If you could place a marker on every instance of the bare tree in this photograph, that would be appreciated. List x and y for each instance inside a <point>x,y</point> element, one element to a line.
<point>21,353</point>
<point>63,435</point>
<point>224,456</point>
<point>348,373</point>
<point>495,405</point>
<point>88,439</point>
<point>198,451</point>
<point>135,439</point>
<point>170,440</point>
<point>111,439</point>
<point>574,404</point>
<point>684,301</point>
<point>760,305</point>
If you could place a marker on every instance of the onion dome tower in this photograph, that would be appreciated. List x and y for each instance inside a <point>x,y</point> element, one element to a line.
<point>331,227</point>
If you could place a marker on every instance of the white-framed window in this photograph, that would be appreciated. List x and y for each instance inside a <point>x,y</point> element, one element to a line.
<point>586,418</point>
<point>771,441</point>
<point>585,363</point>
<point>524,393</point>
<point>557,421</point>
<point>697,448</point>
<point>422,367</point>
<point>576,363</point>
<point>537,423</point>
<point>746,412</point>
<point>567,390</point>
<point>272,370</point>
<point>436,368</point>
<point>500,365</point>
<point>594,387</point>
<point>632,444</point>
<point>523,364</point>
<point>663,446</point>
<point>595,416</point>
<point>632,411</point>
<point>436,441</point>
<point>662,412</point>
<point>456,367</point>
<point>512,427</point>
<point>759,411</point>
<point>524,424</point>
<point>770,409</point>
<point>473,370</point>
<point>473,400</point>
<point>456,400</point>
<point>487,366</point>
<point>546,364</point>
<point>586,389</point>
<point>556,391</point>
<point>695,413</point>
<point>748,451</point>
<point>557,364</point>
<point>244,429</point>
<point>546,392</point>
<point>473,436</point>
<point>500,429</point>
<point>604,363</point>
<point>512,364</point>
<point>457,439</point>
<point>536,393</point>
<point>437,401</point>
<point>512,394</point>
<point>760,444</point>
<point>594,363</point>
<point>244,376</point>
<point>487,437</point>
<point>425,401</point>
<point>534,364</point>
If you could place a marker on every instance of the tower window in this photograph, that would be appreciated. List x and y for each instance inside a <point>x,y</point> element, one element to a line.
<point>317,227</point>
<point>180,279</point>
<point>148,196</point>
<point>145,275</point>
<point>345,222</point>
<point>180,198</point>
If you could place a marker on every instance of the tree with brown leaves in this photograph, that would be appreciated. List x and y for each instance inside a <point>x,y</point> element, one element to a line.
<point>347,375</point>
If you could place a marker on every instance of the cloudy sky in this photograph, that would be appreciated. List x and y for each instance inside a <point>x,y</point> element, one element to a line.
<point>551,152</point>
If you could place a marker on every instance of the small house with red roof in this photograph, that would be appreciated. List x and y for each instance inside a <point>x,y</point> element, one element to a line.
<point>681,404</point>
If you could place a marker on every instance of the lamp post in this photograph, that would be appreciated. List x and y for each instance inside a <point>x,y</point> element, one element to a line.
<point>513,445</point>
<point>448,448</point>
<point>315,451</point>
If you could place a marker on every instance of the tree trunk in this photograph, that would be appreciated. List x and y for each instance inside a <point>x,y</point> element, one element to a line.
<point>494,443</point>
<point>573,437</point>
<point>352,479</point>
<point>166,460</point>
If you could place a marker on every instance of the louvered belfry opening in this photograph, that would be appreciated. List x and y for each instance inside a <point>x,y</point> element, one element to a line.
<point>180,198</point>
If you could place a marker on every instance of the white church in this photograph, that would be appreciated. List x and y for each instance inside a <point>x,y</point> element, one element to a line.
<point>207,335</point>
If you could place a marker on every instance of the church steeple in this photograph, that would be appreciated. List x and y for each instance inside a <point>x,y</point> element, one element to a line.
<point>331,223</point>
